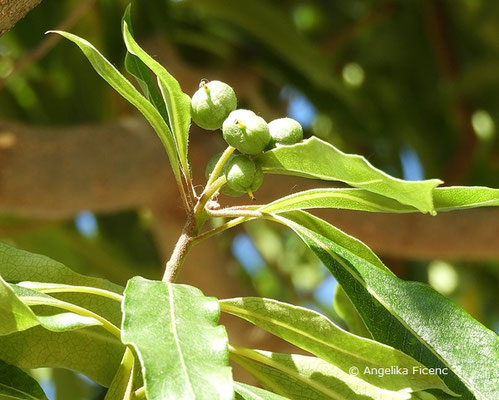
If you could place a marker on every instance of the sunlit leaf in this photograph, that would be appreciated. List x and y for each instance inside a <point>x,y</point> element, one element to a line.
<point>248,392</point>
<point>315,158</point>
<point>315,333</point>
<point>173,328</point>
<point>346,310</point>
<point>140,71</point>
<point>122,385</point>
<point>119,83</point>
<point>178,104</point>
<point>91,351</point>
<point>300,377</point>
<point>445,199</point>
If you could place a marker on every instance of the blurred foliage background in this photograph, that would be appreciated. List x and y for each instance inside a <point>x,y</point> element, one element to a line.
<point>412,85</point>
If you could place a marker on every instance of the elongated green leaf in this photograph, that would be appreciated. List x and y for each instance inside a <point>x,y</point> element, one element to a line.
<point>173,328</point>
<point>15,316</point>
<point>178,104</point>
<point>139,70</point>
<point>315,158</point>
<point>346,310</point>
<point>302,378</point>
<point>91,351</point>
<point>315,333</point>
<point>248,392</point>
<point>16,384</point>
<point>413,317</point>
<point>122,385</point>
<point>445,199</point>
<point>119,83</point>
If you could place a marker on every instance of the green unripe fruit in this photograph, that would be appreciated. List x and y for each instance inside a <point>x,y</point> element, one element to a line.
<point>243,175</point>
<point>285,131</point>
<point>246,131</point>
<point>212,103</point>
<point>209,169</point>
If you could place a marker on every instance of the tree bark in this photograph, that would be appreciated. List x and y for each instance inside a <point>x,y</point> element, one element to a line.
<point>49,173</point>
<point>11,11</point>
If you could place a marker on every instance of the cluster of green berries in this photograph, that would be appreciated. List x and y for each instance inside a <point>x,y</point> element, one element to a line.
<point>213,106</point>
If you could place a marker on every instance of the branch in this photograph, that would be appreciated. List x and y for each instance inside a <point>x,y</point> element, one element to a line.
<point>11,11</point>
<point>50,173</point>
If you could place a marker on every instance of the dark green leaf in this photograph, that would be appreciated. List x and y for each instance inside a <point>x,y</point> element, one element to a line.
<point>412,317</point>
<point>315,158</point>
<point>173,328</point>
<point>15,384</point>
<point>346,310</point>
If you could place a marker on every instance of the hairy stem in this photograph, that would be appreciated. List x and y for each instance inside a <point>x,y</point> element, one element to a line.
<point>182,248</point>
<point>235,213</point>
<point>219,165</point>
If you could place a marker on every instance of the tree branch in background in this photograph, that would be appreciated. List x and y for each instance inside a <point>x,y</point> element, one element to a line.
<point>11,11</point>
<point>50,173</point>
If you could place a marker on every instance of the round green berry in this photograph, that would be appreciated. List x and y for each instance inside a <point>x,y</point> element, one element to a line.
<point>285,131</point>
<point>246,131</point>
<point>212,103</point>
<point>243,175</point>
<point>211,166</point>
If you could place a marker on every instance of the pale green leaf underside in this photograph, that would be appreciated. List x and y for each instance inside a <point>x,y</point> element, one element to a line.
<point>17,384</point>
<point>413,317</point>
<point>178,104</point>
<point>119,83</point>
<point>248,392</point>
<point>445,199</point>
<point>173,328</point>
<point>122,385</point>
<point>315,158</point>
<point>315,333</point>
<point>304,378</point>
<point>91,351</point>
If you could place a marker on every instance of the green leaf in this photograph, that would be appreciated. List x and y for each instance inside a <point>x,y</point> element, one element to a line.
<point>81,317</point>
<point>15,316</point>
<point>248,392</point>
<point>445,199</point>
<point>300,377</point>
<point>346,310</point>
<point>178,104</point>
<point>140,71</point>
<point>412,317</point>
<point>16,384</point>
<point>315,158</point>
<point>122,385</point>
<point>316,334</point>
<point>91,351</point>
<point>173,328</point>
<point>460,197</point>
<point>119,83</point>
